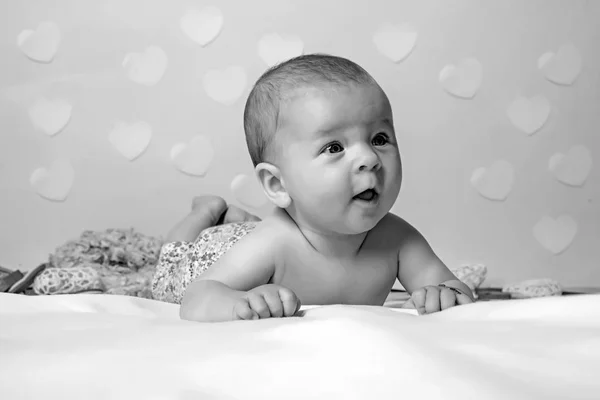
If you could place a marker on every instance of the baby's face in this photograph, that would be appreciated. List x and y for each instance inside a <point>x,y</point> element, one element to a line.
<point>337,142</point>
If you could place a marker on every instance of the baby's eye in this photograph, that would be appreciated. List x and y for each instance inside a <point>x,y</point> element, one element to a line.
<point>334,146</point>
<point>381,136</point>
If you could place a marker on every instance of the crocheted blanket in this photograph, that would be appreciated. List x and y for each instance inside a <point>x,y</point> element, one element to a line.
<point>114,261</point>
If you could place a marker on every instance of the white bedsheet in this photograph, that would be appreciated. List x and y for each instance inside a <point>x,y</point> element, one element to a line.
<point>117,347</point>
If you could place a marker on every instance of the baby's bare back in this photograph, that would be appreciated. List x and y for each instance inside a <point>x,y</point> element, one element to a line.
<point>366,278</point>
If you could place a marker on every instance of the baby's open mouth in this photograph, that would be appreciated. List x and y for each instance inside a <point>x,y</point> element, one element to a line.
<point>367,195</point>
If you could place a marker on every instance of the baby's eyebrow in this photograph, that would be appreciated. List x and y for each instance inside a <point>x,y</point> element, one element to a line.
<point>387,122</point>
<point>326,132</point>
<point>320,133</point>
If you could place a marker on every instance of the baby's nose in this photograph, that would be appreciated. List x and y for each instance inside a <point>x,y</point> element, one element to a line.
<point>369,161</point>
<point>369,167</point>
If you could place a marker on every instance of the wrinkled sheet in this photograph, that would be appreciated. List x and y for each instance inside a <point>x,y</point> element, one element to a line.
<point>119,347</point>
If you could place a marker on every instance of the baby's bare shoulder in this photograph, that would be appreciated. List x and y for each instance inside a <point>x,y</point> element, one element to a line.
<point>284,236</point>
<point>391,233</point>
<point>273,233</point>
<point>267,231</point>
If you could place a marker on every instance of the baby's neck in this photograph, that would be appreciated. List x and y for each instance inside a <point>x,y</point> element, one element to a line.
<point>330,244</point>
<point>339,246</point>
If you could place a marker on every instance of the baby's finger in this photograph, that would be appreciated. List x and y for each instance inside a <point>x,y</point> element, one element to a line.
<point>259,305</point>
<point>274,303</point>
<point>290,302</point>
<point>462,299</point>
<point>242,310</point>
<point>418,298</point>
<point>408,304</point>
<point>432,301</point>
<point>447,298</point>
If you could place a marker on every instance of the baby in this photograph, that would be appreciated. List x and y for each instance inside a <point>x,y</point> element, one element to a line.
<point>320,132</point>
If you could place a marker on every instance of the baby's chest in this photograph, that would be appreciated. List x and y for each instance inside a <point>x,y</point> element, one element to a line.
<point>318,280</point>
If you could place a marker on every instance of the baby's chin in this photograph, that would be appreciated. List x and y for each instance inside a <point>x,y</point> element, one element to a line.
<point>359,220</point>
<point>367,225</point>
<point>356,225</point>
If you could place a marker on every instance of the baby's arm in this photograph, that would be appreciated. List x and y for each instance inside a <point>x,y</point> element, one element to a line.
<point>419,266</point>
<point>238,282</point>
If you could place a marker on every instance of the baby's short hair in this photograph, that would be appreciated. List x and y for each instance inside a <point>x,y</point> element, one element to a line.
<point>262,107</point>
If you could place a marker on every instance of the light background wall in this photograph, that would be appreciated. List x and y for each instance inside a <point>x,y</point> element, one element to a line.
<point>444,139</point>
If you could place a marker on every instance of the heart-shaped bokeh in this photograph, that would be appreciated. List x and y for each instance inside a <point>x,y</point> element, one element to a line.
<point>202,26</point>
<point>193,158</point>
<point>42,44</point>
<point>574,168</point>
<point>225,86</point>
<point>495,182</point>
<point>53,183</point>
<point>562,67</point>
<point>146,68</point>
<point>529,114</point>
<point>50,116</point>
<point>395,42</point>
<point>131,140</point>
<point>462,80</point>
<point>555,235</point>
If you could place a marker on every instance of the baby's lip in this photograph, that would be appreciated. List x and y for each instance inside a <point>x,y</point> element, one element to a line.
<point>374,189</point>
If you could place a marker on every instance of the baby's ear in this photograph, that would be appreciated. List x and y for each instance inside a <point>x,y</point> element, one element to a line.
<point>273,185</point>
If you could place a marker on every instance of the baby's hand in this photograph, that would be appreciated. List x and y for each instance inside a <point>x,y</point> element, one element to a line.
<point>430,299</point>
<point>267,301</point>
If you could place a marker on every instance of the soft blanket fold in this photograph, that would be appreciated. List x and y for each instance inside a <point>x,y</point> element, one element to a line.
<point>121,347</point>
